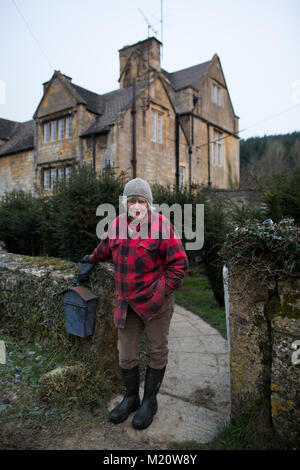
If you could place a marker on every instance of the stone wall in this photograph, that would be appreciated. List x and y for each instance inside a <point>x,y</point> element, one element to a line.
<point>253,198</point>
<point>265,350</point>
<point>32,309</point>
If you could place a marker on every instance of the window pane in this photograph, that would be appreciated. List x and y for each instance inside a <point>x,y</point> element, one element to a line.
<point>68,172</point>
<point>214,154</point>
<point>181,175</point>
<point>219,154</point>
<point>160,128</point>
<point>46,179</point>
<point>53,130</point>
<point>61,174</point>
<point>153,126</point>
<point>61,128</point>
<point>46,132</point>
<point>69,126</point>
<point>53,177</point>
<point>219,96</point>
<point>215,137</point>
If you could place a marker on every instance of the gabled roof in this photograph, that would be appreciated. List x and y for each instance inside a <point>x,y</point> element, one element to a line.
<point>112,104</point>
<point>93,101</point>
<point>190,76</point>
<point>22,138</point>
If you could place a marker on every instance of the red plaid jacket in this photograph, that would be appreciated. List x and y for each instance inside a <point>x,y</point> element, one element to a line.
<point>148,266</point>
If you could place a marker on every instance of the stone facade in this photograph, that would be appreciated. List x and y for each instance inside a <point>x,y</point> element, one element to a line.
<point>265,351</point>
<point>169,128</point>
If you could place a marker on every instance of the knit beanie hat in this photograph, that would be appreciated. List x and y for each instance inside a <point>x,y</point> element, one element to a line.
<point>138,188</point>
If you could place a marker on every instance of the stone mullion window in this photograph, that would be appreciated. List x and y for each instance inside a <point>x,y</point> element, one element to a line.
<point>216,94</point>
<point>156,126</point>
<point>58,129</point>
<point>217,148</point>
<point>54,174</point>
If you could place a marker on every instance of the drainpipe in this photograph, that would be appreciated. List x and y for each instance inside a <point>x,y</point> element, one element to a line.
<point>133,112</point>
<point>208,156</point>
<point>94,151</point>
<point>177,150</point>
<point>195,101</point>
<point>190,167</point>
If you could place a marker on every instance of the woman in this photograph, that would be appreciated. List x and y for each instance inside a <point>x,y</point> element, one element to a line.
<point>150,263</point>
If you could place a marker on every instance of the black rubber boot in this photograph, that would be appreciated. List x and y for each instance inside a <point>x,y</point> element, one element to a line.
<point>144,416</point>
<point>131,400</point>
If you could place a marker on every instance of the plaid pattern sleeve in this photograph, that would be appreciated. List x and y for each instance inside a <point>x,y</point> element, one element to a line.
<point>176,261</point>
<point>102,252</point>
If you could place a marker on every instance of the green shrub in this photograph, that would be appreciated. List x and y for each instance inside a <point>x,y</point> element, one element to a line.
<point>282,196</point>
<point>215,228</point>
<point>68,226</point>
<point>267,250</point>
<point>19,222</point>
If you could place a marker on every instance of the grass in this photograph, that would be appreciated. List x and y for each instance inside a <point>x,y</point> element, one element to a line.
<point>245,432</point>
<point>197,296</point>
<point>27,417</point>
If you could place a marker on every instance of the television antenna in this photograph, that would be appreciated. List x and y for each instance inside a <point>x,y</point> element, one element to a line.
<point>148,23</point>
<point>150,26</point>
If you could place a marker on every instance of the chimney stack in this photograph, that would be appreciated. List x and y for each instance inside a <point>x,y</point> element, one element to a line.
<point>139,61</point>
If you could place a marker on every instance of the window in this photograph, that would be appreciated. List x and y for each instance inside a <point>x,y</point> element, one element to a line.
<point>153,125</point>
<point>61,173</point>
<point>53,130</point>
<point>47,132</point>
<point>52,175</point>
<point>159,130</point>
<point>216,94</point>
<point>156,127</point>
<point>69,126</point>
<point>58,129</point>
<point>61,129</point>
<point>217,148</point>
<point>68,171</point>
<point>181,175</point>
<point>46,179</point>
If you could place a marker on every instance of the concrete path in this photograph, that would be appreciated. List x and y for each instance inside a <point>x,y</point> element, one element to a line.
<point>194,399</point>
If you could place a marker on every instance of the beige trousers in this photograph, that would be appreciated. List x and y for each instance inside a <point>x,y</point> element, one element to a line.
<point>156,335</point>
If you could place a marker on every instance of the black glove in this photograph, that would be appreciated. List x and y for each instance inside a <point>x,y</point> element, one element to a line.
<point>84,268</point>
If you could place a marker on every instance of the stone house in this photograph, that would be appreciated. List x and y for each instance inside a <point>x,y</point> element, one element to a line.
<point>178,128</point>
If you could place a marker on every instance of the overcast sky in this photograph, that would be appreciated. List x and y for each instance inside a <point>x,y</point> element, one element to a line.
<point>258,43</point>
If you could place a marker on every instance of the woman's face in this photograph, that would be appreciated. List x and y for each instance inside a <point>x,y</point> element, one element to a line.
<point>137,208</point>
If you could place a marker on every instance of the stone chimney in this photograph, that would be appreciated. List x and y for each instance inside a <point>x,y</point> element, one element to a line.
<point>139,61</point>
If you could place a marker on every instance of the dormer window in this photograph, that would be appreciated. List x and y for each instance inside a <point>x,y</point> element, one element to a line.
<point>216,94</point>
<point>57,129</point>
